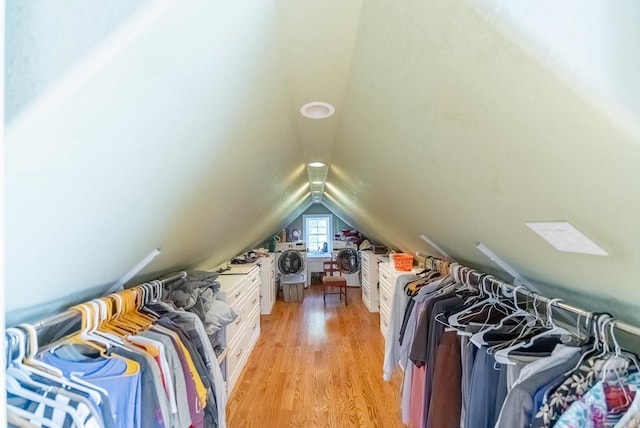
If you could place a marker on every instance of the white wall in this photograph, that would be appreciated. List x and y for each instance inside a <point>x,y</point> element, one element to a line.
<point>173,132</point>
<point>461,120</point>
<point>453,130</point>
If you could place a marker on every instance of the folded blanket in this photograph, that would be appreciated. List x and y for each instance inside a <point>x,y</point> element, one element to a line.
<point>197,293</point>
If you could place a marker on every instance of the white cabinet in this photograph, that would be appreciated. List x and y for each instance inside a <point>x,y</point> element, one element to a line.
<point>242,291</point>
<point>267,283</point>
<point>387,283</point>
<point>369,280</point>
<point>388,278</point>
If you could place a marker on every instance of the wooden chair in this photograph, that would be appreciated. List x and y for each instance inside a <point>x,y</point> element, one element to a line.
<point>329,280</point>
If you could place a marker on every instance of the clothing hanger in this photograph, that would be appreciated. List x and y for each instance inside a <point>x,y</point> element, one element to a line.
<point>19,421</point>
<point>486,299</point>
<point>83,337</point>
<point>478,338</point>
<point>145,298</point>
<point>88,336</point>
<point>115,322</point>
<point>616,356</point>
<point>14,371</point>
<point>120,322</point>
<point>454,319</point>
<point>31,350</point>
<point>132,314</point>
<point>100,327</point>
<point>30,417</point>
<point>592,331</point>
<point>14,387</point>
<point>617,376</point>
<point>50,373</point>
<point>502,355</point>
<point>528,330</point>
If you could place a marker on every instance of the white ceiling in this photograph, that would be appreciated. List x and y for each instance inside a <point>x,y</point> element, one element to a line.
<point>178,128</point>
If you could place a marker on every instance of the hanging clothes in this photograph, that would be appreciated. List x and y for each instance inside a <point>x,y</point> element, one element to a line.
<point>478,360</point>
<point>141,363</point>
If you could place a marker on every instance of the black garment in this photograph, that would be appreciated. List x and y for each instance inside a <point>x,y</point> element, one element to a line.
<point>407,314</point>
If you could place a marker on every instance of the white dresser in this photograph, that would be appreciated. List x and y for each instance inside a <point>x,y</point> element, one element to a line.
<point>369,280</point>
<point>388,278</point>
<point>267,283</point>
<point>242,291</point>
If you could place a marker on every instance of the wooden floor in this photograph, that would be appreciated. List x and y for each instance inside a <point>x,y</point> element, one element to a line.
<point>317,367</point>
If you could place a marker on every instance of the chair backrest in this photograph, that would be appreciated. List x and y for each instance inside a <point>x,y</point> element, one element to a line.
<point>330,268</point>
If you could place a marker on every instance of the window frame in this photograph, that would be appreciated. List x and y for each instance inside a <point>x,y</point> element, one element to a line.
<point>306,218</point>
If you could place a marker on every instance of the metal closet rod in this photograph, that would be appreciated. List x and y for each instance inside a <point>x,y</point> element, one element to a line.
<point>622,326</point>
<point>72,313</point>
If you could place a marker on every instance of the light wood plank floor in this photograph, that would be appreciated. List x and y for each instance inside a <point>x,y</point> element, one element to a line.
<point>317,367</point>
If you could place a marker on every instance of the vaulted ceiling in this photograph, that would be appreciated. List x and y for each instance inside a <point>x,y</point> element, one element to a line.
<point>132,126</point>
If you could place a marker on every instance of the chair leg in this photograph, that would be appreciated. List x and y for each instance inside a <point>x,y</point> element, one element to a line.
<point>345,295</point>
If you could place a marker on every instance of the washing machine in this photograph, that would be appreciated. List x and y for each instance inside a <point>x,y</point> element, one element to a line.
<point>353,279</point>
<point>291,259</point>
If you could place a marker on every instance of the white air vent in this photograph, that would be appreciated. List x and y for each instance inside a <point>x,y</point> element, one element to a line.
<point>565,237</point>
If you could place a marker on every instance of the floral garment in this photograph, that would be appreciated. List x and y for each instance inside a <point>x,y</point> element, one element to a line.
<point>591,411</point>
<point>572,389</point>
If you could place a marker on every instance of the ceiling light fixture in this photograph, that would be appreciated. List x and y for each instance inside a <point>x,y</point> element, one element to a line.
<point>317,110</point>
<point>317,164</point>
<point>317,182</point>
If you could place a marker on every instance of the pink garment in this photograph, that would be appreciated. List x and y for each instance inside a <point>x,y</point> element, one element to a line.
<point>416,411</point>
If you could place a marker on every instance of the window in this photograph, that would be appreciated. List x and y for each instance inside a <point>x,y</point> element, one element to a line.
<point>318,233</point>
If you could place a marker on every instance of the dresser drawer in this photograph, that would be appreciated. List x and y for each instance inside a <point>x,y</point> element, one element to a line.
<point>365,292</point>
<point>252,300</point>
<point>365,272</point>
<point>384,327</point>
<point>233,328</point>
<point>385,297</point>
<point>236,295</point>
<point>253,279</point>
<point>384,318</point>
<point>248,305</point>
<point>241,347</point>
<point>234,366</point>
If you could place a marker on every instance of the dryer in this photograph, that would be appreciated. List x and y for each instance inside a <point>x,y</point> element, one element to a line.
<point>291,259</point>
<point>353,279</point>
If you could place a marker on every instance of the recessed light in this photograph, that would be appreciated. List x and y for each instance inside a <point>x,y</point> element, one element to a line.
<point>317,164</point>
<point>316,182</point>
<point>317,110</point>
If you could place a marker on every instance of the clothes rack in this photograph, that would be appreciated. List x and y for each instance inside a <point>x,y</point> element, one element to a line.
<point>509,288</point>
<point>71,318</point>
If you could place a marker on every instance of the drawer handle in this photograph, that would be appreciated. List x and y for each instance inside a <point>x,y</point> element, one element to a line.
<point>254,301</point>
<point>254,326</point>
<point>238,294</point>
<point>385,298</point>
<point>239,321</point>
<point>254,279</point>
<point>385,323</point>
<point>238,354</point>
<point>384,276</point>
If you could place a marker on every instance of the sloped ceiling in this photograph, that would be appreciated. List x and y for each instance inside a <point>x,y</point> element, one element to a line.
<point>178,128</point>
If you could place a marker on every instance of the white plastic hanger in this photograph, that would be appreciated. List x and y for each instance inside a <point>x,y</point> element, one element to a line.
<point>14,372</point>
<point>54,374</point>
<point>31,417</point>
<point>490,299</point>
<point>502,355</point>
<point>529,320</point>
<point>100,315</point>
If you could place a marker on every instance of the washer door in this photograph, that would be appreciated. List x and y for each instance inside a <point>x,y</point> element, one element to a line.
<point>348,261</point>
<point>291,262</point>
